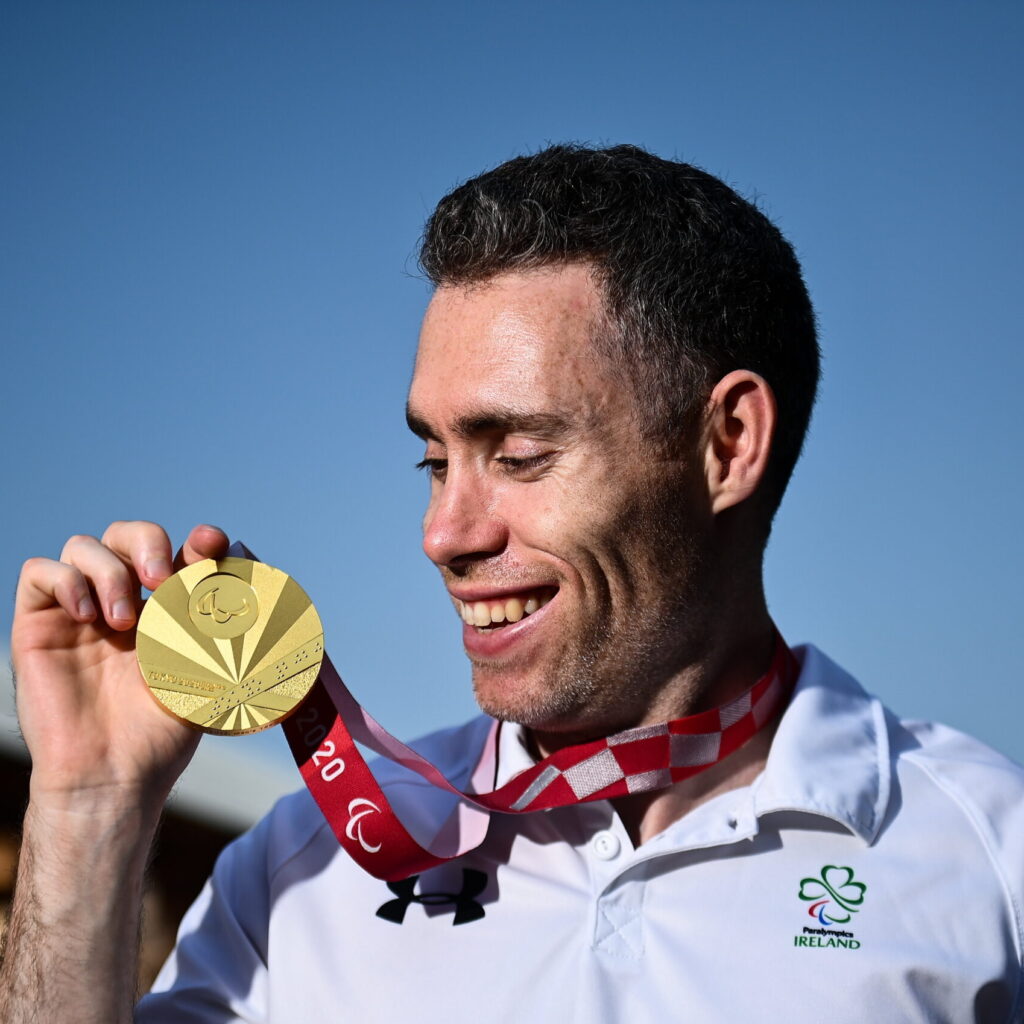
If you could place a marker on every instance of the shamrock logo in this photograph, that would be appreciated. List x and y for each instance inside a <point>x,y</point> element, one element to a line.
<point>836,885</point>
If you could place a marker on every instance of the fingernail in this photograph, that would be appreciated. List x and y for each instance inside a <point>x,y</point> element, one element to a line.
<point>157,568</point>
<point>86,609</point>
<point>122,610</point>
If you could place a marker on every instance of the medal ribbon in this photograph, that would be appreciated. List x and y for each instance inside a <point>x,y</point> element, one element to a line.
<point>324,731</point>
<point>323,734</point>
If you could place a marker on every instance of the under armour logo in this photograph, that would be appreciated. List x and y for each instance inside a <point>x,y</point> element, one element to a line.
<point>466,907</point>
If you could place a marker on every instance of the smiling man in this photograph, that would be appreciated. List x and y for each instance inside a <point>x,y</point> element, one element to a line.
<point>543,523</point>
<point>687,820</point>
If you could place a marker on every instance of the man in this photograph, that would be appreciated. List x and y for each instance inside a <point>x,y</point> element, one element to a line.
<point>613,383</point>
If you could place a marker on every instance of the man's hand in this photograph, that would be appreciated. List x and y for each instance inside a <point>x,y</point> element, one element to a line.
<point>104,758</point>
<point>94,731</point>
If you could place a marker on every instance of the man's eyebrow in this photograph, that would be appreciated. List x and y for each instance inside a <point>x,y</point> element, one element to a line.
<point>505,420</point>
<point>419,426</point>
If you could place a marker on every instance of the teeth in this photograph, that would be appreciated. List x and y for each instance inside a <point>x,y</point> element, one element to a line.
<point>483,613</point>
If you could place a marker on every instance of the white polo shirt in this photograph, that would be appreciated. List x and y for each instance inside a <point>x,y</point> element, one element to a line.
<point>874,871</point>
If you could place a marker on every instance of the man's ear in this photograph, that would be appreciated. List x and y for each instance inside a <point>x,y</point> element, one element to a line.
<point>739,427</point>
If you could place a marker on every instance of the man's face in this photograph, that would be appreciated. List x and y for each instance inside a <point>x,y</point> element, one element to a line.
<point>568,545</point>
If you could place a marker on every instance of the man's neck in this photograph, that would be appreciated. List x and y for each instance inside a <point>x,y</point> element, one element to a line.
<point>733,671</point>
<point>729,669</point>
<point>645,815</point>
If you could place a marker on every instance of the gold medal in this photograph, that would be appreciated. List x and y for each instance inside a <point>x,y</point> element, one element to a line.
<point>229,646</point>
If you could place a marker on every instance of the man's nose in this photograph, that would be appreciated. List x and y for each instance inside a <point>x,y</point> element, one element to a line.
<point>462,524</point>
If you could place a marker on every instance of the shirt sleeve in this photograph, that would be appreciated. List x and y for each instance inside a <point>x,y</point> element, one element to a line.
<point>217,972</point>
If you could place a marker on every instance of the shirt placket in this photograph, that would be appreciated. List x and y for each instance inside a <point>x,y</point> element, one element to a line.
<point>618,894</point>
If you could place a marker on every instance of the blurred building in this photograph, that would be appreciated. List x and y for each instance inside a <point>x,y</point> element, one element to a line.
<point>224,791</point>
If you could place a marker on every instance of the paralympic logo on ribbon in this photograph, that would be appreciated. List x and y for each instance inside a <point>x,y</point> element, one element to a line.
<point>357,810</point>
<point>836,886</point>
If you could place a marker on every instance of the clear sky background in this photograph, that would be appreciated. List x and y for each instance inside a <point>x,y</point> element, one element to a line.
<point>209,302</point>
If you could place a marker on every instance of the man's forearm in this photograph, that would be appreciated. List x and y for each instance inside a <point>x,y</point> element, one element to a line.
<point>71,949</point>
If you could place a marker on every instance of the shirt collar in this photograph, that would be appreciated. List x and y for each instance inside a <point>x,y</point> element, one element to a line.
<point>513,753</point>
<point>829,756</point>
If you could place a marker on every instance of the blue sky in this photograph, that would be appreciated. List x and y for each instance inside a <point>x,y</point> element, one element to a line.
<point>209,214</point>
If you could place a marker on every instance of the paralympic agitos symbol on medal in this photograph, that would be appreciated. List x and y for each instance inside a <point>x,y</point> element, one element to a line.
<point>230,645</point>
<point>207,605</point>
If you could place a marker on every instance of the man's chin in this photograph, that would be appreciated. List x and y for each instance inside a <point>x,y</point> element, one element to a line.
<point>542,705</point>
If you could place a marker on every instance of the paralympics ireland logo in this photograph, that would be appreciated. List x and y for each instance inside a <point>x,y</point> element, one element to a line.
<point>834,895</point>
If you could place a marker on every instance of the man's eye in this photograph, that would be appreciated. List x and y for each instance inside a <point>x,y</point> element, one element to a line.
<point>520,465</point>
<point>437,468</point>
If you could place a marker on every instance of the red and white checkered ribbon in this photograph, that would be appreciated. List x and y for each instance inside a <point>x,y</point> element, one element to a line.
<point>323,732</point>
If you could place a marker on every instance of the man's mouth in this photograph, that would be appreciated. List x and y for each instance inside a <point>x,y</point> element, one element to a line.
<point>493,613</point>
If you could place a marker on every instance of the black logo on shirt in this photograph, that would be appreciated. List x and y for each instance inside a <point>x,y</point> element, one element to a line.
<point>466,907</point>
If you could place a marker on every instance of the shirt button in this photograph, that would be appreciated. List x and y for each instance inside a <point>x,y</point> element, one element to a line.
<point>606,845</point>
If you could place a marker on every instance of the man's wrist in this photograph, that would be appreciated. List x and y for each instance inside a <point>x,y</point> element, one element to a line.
<point>89,837</point>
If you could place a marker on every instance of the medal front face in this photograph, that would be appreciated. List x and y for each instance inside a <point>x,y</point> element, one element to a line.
<point>229,646</point>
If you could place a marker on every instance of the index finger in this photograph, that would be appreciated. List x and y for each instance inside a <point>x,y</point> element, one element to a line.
<point>143,547</point>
